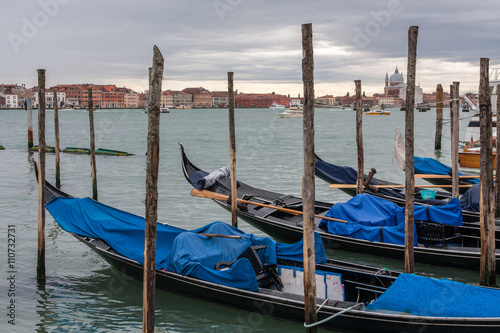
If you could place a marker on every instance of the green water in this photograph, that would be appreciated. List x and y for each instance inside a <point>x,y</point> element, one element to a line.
<point>83,294</point>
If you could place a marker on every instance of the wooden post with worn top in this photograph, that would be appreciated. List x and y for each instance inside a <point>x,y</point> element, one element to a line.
<point>29,111</point>
<point>486,204</point>
<point>439,117</point>
<point>56,143</point>
<point>359,138</point>
<point>152,164</point>
<point>232,148</point>
<point>92,146</point>
<point>409,149</point>
<point>308,187</point>
<point>454,115</point>
<point>40,268</point>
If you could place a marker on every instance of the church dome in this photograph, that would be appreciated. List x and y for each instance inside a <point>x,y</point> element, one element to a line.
<point>396,78</point>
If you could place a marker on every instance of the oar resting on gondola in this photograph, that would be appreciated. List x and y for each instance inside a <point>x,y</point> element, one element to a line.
<point>218,196</point>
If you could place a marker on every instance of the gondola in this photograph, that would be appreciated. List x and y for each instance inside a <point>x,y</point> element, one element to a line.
<point>445,246</point>
<point>438,173</point>
<point>335,174</point>
<point>351,296</point>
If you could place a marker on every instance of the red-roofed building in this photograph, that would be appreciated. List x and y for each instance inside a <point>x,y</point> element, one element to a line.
<point>260,100</point>
<point>202,98</point>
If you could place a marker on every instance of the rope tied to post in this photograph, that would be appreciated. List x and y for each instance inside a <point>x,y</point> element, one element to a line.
<point>332,316</point>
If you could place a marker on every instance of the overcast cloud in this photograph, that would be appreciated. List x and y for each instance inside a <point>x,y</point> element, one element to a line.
<point>111,41</point>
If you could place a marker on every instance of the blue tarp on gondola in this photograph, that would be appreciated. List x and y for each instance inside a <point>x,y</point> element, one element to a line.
<point>378,220</point>
<point>423,296</point>
<point>177,250</point>
<point>336,174</point>
<point>430,166</point>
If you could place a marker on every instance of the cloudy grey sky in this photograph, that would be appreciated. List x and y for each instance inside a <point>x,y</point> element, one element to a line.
<point>111,41</point>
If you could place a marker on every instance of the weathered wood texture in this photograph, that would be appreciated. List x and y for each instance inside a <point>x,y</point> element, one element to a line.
<point>497,171</point>
<point>486,211</point>
<point>29,110</point>
<point>308,187</point>
<point>40,270</point>
<point>454,116</point>
<point>56,143</point>
<point>439,117</point>
<point>359,138</point>
<point>409,149</point>
<point>92,145</point>
<point>232,149</point>
<point>152,163</point>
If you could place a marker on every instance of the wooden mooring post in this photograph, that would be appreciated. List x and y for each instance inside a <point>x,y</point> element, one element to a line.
<point>40,268</point>
<point>232,148</point>
<point>152,164</point>
<point>29,111</point>
<point>359,138</point>
<point>409,149</point>
<point>92,146</point>
<point>439,117</point>
<point>454,115</point>
<point>56,144</point>
<point>497,156</point>
<point>308,186</point>
<point>487,217</point>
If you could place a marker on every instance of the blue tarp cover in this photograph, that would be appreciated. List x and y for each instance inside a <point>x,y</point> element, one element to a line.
<point>177,250</point>
<point>378,220</point>
<point>423,296</point>
<point>430,166</point>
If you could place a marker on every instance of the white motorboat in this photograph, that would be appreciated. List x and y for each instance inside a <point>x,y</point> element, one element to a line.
<point>291,114</point>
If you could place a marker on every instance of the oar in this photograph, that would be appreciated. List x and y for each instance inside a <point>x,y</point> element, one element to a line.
<point>219,196</point>
<point>393,186</point>
<point>221,236</point>
<point>423,175</point>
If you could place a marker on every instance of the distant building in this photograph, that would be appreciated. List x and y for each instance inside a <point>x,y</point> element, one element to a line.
<point>11,101</point>
<point>131,99</point>
<point>395,87</point>
<point>167,99</point>
<point>181,98</point>
<point>260,100</point>
<point>49,98</point>
<point>220,99</point>
<point>202,98</point>
<point>327,100</point>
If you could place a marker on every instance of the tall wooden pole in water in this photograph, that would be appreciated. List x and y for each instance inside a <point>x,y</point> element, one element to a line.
<point>409,149</point>
<point>152,163</point>
<point>56,144</point>
<point>308,187</point>
<point>439,117</point>
<point>40,269</point>
<point>454,113</point>
<point>92,146</point>
<point>30,122</point>
<point>497,156</point>
<point>359,138</point>
<point>232,148</point>
<point>487,218</point>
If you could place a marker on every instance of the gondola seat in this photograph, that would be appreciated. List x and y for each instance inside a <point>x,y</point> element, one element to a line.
<point>267,275</point>
<point>433,235</point>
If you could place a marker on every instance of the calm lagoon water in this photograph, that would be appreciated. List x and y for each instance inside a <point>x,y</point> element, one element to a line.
<point>83,294</point>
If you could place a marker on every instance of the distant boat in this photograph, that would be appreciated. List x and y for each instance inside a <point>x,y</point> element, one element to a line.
<point>276,106</point>
<point>182,106</point>
<point>346,108</point>
<point>378,112</point>
<point>164,110</point>
<point>472,132</point>
<point>291,114</point>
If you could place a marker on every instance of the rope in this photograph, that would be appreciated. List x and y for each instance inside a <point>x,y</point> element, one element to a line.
<point>331,317</point>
